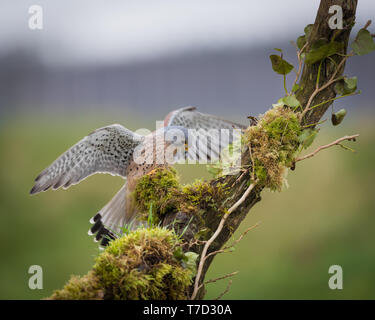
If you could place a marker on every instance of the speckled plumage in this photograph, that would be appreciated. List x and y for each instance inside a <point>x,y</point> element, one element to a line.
<point>106,150</point>
<point>110,150</point>
<point>205,128</point>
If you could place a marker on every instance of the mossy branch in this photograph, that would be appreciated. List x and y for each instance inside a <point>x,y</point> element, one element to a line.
<point>330,68</point>
<point>200,211</point>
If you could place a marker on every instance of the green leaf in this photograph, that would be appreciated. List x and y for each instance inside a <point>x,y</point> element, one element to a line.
<point>318,43</point>
<point>280,66</point>
<point>307,137</point>
<point>321,51</point>
<point>190,261</point>
<point>308,30</point>
<point>290,101</point>
<point>301,41</point>
<point>295,87</point>
<point>346,86</point>
<point>351,83</point>
<point>277,49</point>
<point>338,117</point>
<point>363,43</point>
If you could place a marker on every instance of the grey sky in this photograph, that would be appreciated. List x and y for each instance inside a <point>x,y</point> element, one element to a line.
<point>104,31</point>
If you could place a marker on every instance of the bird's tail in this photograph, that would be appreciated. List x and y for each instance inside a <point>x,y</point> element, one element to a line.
<point>108,222</point>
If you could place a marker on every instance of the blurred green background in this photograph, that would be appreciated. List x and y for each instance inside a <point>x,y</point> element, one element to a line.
<point>326,217</point>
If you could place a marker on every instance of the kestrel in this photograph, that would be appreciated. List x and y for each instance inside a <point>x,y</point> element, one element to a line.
<point>112,150</point>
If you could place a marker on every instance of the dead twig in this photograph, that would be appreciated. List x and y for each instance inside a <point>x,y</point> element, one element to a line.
<point>367,24</point>
<point>252,164</point>
<point>220,278</point>
<point>331,81</point>
<point>214,236</point>
<point>334,143</point>
<point>300,63</point>
<point>225,291</point>
<point>225,249</point>
<point>242,236</point>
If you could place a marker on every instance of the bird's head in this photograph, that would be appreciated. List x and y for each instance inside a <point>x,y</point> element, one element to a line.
<point>176,135</point>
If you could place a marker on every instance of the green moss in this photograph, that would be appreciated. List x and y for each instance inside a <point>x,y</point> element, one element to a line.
<point>274,142</point>
<point>260,171</point>
<point>159,189</point>
<point>201,196</point>
<point>140,265</point>
<point>80,288</point>
<point>281,124</point>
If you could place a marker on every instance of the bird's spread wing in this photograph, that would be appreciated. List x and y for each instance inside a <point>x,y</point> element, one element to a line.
<point>207,133</point>
<point>190,118</point>
<point>106,150</point>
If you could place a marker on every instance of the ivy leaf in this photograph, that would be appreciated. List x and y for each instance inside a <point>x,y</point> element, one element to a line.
<point>346,86</point>
<point>308,30</point>
<point>301,41</point>
<point>290,101</point>
<point>278,104</point>
<point>321,51</point>
<point>280,66</point>
<point>338,117</point>
<point>363,43</point>
<point>295,87</point>
<point>351,83</point>
<point>190,262</point>
<point>307,137</point>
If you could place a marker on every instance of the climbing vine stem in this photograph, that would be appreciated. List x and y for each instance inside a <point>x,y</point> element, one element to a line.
<point>214,236</point>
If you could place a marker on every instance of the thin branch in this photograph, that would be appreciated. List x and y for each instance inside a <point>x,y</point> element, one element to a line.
<point>225,291</point>
<point>214,236</point>
<point>242,236</point>
<point>252,164</point>
<point>314,124</point>
<point>334,143</point>
<point>298,73</point>
<point>331,81</point>
<point>225,249</point>
<point>221,278</point>
<point>285,88</point>
<point>242,199</point>
<point>240,177</point>
<point>335,98</point>
<point>318,77</point>
<point>367,24</point>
